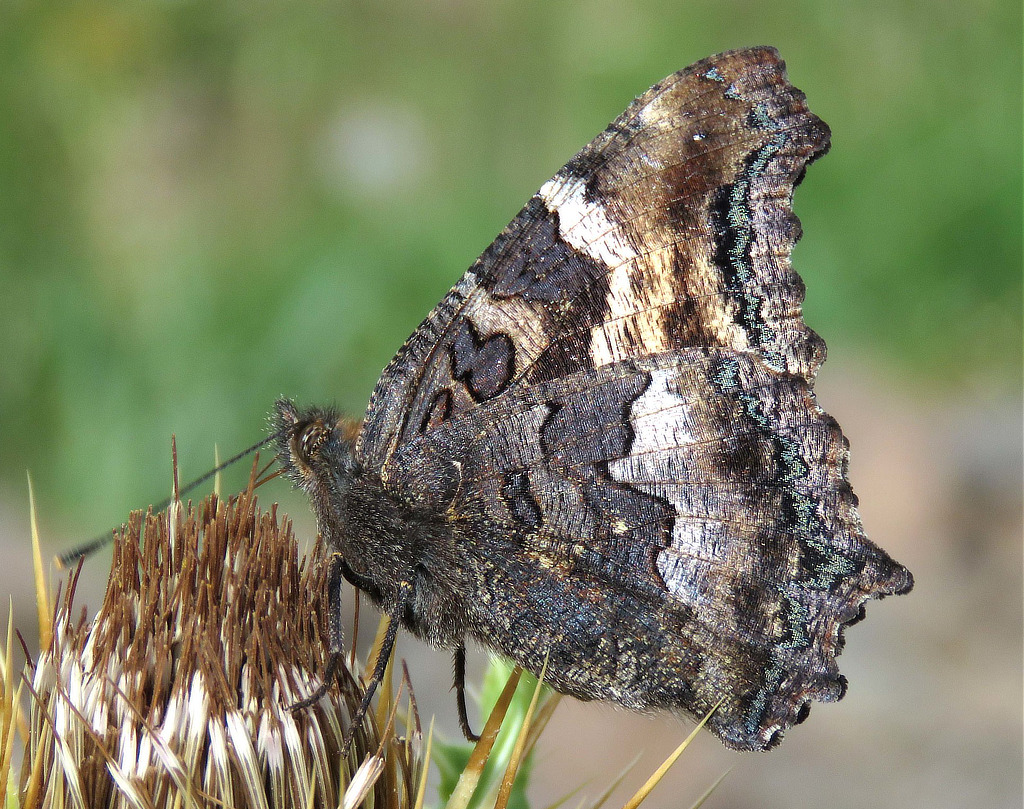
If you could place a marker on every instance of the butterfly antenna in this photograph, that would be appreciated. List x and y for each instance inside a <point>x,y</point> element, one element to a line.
<point>87,548</point>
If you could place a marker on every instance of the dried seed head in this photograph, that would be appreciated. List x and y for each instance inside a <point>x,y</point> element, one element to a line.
<point>179,690</point>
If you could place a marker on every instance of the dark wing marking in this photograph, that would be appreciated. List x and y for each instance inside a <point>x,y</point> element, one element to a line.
<point>674,530</point>
<point>673,228</point>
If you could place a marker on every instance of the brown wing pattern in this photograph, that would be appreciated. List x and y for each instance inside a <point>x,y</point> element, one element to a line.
<point>673,228</point>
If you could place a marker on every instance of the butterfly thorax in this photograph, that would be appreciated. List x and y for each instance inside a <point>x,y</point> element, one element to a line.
<point>386,545</point>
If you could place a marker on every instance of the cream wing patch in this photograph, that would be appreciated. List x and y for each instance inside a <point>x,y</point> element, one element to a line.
<point>663,426</point>
<point>584,225</point>
<point>640,278</point>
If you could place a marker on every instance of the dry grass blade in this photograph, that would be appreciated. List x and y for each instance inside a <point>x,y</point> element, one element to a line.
<point>44,611</point>
<point>217,475</point>
<point>566,797</point>
<point>642,793</point>
<point>414,731</point>
<point>519,751</point>
<point>707,793</point>
<point>35,780</point>
<point>470,778</point>
<point>9,702</point>
<point>387,701</point>
<point>389,725</point>
<point>604,796</point>
<point>541,719</point>
<point>421,792</point>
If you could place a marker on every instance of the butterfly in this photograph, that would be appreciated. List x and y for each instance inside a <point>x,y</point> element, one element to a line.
<point>601,452</point>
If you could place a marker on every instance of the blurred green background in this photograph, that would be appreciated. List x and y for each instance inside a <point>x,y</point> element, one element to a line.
<point>205,206</point>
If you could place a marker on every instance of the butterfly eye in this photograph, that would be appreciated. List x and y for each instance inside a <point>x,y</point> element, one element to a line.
<point>309,440</point>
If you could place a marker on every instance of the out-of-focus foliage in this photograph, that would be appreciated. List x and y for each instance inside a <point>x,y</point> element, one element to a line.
<point>204,205</point>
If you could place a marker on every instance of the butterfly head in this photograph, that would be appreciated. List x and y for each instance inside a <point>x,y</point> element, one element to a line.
<point>315,447</point>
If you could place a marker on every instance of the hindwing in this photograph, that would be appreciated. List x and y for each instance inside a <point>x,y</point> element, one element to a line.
<point>672,530</point>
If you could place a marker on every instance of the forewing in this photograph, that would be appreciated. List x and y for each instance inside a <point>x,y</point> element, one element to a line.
<point>672,229</point>
<point>665,532</point>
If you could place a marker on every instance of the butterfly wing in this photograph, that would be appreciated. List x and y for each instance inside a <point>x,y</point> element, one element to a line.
<point>673,228</point>
<point>664,532</point>
<point>618,395</point>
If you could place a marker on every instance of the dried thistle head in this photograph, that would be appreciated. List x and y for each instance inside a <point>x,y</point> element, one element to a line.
<point>178,691</point>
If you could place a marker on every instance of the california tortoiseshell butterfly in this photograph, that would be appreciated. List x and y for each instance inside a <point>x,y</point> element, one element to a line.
<point>602,449</point>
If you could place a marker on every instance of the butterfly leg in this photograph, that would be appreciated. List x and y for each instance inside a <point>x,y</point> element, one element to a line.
<point>460,693</point>
<point>387,647</point>
<point>335,634</point>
